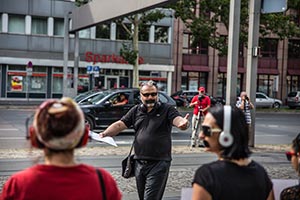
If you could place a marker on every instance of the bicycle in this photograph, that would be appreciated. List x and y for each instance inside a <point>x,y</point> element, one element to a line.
<point>194,136</point>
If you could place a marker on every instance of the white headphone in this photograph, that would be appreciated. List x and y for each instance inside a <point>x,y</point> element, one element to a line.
<point>225,138</point>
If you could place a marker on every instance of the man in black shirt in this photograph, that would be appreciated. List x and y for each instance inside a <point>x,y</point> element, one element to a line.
<point>152,122</point>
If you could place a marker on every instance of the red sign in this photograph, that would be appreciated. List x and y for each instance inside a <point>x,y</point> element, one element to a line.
<point>90,57</point>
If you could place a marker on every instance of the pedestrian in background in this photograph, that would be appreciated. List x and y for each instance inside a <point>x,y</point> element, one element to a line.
<point>152,122</point>
<point>58,128</point>
<point>293,192</point>
<point>234,176</point>
<point>201,104</point>
<point>245,105</point>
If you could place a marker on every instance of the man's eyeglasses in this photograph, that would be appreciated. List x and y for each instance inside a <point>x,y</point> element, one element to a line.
<point>153,94</point>
<point>207,130</point>
<point>289,155</point>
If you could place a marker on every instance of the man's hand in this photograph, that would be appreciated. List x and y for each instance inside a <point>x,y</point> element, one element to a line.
<point>183,122</point>
<point>102,135</point>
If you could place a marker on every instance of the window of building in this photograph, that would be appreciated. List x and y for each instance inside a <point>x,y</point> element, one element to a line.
<point>58,27</point>
<point>294,48</point>
<point>293,83</point>
<point>144,33</point>
<point>265,84</point>
<point>39,26</point>
<point>0,22</point>
<point>121,33</point>
<point>57,80</point>
<point>86,33</point>
<point>268,47</point>
<point>103,31</point>
<point>193,46</point>
<point>16,24</point>
<point>161,34</point>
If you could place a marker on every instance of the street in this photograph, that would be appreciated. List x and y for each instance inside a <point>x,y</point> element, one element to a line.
<point>270,128</point>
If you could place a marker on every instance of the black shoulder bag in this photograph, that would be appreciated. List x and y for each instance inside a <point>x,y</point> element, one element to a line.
<point>128,164</point>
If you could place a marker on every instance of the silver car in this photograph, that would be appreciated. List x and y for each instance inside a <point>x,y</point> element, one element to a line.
<point>263,101</point>
<point>293,99</point>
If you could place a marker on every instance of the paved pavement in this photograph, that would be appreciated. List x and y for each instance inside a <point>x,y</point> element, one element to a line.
<point>181,174</point>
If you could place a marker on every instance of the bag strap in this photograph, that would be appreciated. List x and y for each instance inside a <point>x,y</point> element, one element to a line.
<point>101,184</point>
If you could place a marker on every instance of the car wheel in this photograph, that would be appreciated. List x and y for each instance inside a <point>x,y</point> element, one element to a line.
<point>276,105</point>
<point>89,121</point>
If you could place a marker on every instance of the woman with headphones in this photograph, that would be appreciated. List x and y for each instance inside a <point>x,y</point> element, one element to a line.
<point>234,176</point>
<point>58,128</point>
<point>293,192</point>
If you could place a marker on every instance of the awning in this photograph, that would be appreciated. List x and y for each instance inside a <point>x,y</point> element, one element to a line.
<point>293,71</point>
<point>196,68</point>
<point>224,70</point>
<point>267,71</point>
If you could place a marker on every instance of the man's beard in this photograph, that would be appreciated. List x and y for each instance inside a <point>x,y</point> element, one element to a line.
<point>150,103</point>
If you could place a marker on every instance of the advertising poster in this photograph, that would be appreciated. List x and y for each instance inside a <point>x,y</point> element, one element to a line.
<point>16,83</point>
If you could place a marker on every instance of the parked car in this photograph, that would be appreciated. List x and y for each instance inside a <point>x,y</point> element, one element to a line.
<point>293,99</point>
<point>184,98</point>
<point>263,101</point>
<point>100,112</point>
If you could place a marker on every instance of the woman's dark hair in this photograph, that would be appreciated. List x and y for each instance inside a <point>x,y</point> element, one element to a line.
<point>296,143</point>
<point>238,129</point>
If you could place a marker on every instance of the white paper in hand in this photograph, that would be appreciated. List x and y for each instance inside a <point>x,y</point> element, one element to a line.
<point>107,139</point>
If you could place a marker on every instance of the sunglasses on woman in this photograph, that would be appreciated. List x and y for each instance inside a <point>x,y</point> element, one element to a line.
<point>289,155</point>
<point>208,131</point>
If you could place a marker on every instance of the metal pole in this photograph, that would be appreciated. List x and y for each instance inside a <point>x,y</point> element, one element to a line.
<point>252,58</point>
<point>76,62</point>
<point>233,48</point>
<point>66,53</point>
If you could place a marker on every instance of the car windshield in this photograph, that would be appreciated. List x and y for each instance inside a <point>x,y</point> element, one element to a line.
<point>98,97</point>
<point>292,94</point>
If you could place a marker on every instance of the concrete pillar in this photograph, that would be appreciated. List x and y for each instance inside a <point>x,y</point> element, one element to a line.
<point>50,26</point>
<point>4,22</point>
<point>27,24</point>
<point>152,33</point>
<point>113,28</point>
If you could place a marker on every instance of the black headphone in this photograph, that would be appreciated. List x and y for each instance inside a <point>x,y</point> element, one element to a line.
<point>144,107</point>
<point>226,138</point>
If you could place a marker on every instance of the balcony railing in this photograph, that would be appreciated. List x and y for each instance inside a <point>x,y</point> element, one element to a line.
<point>195,59</point>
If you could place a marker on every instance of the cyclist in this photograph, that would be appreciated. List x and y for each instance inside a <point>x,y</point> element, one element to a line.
<point>201,104</point>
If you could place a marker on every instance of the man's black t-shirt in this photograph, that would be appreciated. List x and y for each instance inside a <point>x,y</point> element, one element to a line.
<point>228,181</point>
<point>153,129</point>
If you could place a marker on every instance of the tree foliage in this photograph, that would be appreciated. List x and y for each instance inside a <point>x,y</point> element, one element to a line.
<point>212,12</point>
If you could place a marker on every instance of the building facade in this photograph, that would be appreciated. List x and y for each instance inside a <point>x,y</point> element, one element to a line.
<point>197,64</point>
<point>32,52</point>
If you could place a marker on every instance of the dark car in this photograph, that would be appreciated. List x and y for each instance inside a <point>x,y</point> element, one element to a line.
<point>100,112</point>
<point>184,98</point>
<point>293,99</point>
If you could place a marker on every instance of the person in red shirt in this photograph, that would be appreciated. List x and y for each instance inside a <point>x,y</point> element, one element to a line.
<point>201,104</point>
<point>58,128</point>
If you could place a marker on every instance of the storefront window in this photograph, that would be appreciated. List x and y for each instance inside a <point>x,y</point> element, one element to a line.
<point>266,84</point>
<point>57,80</point>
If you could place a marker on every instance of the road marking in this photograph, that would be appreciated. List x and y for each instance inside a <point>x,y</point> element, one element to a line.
<point>9,129</point>
<point>13,138</point>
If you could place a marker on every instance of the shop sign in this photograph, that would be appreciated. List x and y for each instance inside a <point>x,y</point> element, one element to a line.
<point>89,69</point>
<point>95,58</point>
